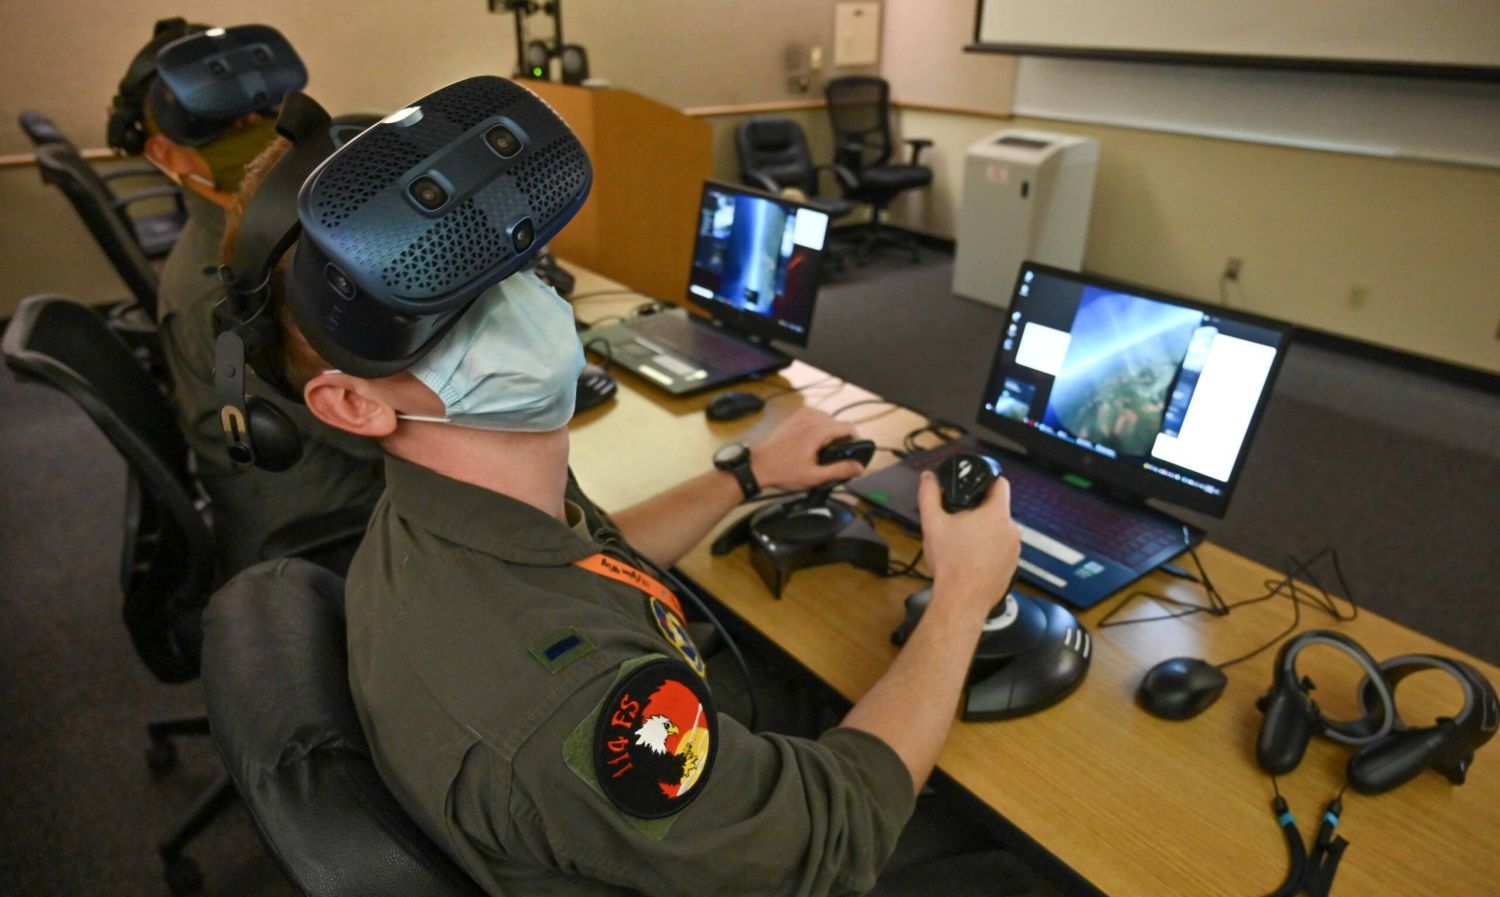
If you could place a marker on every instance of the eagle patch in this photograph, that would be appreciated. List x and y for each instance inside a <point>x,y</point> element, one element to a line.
<point>654,739</point>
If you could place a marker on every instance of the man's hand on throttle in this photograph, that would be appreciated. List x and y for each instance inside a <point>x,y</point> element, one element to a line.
<point>787,459</point>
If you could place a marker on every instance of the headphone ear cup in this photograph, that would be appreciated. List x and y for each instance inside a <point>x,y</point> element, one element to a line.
<point>1397,759</point>
<point>277,441</point>
<point>1286,730</point>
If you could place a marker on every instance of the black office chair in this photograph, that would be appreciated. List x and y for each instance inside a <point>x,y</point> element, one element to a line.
<point>774,156</point>
<point>167,566</point>
<point>859,108</point>
<point>154,234</point>
<point>275,674</point>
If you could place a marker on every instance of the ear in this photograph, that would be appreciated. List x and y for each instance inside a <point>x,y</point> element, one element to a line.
<point>349,403</point>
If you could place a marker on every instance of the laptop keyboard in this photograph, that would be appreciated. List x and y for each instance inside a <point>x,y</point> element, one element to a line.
<point>704,345</point>
<point>1055,512</point>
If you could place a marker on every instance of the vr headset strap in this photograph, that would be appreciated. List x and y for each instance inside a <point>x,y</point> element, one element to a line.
<point>270,224</point>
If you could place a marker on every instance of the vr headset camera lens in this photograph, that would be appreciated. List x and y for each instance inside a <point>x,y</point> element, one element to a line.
<point>522,234</point>
<point>503,141</point>
<point>428,193</point>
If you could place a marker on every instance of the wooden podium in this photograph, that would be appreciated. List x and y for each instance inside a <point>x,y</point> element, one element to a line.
<point>650,162</point>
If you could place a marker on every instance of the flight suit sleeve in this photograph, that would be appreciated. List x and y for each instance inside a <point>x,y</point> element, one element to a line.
<point>776,815</point>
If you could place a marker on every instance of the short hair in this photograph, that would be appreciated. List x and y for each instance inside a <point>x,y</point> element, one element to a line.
<point>293,357</point>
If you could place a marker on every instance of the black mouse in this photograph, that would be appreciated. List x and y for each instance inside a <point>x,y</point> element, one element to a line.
<point>595,387</point>
<point>1180,688</point>
<point>734,405</point>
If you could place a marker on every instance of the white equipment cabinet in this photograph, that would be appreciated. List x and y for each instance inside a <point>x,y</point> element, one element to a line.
<point>1026,196</point>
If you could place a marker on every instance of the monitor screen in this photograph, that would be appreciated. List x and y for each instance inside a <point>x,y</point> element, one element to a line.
<point>1155,395</point>
<point>755,262</point>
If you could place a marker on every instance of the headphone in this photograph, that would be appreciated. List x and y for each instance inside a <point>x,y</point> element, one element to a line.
<point>126,131</point>
<point>397,229</point>
<point>1388,753</point>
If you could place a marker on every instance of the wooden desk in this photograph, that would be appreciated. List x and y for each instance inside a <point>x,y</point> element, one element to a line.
<point>1140,807</point>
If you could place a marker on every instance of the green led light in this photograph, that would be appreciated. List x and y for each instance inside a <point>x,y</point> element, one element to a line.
<point>536,70</point>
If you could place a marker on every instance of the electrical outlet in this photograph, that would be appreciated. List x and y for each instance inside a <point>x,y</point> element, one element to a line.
<point>1232,268</point>
<point>1359,296</point>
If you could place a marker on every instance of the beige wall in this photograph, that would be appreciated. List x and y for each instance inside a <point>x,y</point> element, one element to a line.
<point>66,57</point>
<point>1419,238</point>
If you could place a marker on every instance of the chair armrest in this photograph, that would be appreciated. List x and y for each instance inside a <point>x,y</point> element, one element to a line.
<point>847,180</point>
<point>132,171</point>
<point>762,180</point>
<point>917,145</point>
<point>315,535</point>
<point>169,192</point>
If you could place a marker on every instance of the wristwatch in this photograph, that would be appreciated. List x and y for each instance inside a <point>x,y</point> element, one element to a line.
<point>735,458</point>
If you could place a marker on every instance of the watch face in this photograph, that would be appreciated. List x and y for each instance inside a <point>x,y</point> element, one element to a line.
<point>729,455</point>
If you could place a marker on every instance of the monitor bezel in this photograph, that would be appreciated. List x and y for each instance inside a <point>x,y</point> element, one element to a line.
<point>1116,474</point>
<point>748,323</point>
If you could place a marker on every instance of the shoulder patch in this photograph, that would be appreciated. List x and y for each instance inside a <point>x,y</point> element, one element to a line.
<point>654,740</point>
<point>676,633</point>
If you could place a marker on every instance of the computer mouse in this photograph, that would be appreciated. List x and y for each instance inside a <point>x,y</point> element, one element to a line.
<point>1180,688</point>
<point>595,387</point>
<point>734,405</point>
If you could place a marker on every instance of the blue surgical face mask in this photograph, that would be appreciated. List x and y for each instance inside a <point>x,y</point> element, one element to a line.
<point>510,363</point>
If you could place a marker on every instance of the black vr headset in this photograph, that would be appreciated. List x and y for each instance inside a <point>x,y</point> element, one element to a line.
<point>197,81</point>
<point>396,232</point>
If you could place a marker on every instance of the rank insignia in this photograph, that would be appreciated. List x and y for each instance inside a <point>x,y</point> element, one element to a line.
<point>654,739</point>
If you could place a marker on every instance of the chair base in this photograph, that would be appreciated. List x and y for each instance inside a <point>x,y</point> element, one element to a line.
<point>182,874</point>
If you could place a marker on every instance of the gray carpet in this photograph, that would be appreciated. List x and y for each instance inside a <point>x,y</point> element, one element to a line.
<point>1399,472</point>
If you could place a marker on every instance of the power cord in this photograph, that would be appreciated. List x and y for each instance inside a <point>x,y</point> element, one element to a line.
<point>1217,606</point>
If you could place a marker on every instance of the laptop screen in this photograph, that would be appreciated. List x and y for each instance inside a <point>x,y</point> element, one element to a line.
<point>755,262</point>
<point>1135,389</point>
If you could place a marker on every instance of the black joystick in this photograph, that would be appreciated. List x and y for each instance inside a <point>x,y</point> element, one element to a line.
<point>965,480</point>
<point>809,530</point>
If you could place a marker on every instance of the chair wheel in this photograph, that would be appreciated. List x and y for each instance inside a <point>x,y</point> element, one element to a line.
<point>161,756</point>
<point>183,876</point>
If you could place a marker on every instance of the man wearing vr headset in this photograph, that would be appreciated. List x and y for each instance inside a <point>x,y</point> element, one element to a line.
<point>200,103</point>
<point>520,664</point>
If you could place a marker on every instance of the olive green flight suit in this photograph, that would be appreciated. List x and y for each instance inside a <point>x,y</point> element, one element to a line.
<point>455,599</point>
<point>337,470</point>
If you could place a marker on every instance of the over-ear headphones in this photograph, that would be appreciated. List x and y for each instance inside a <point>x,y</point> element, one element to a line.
<point>126,130</point>
<point>1389,753</point>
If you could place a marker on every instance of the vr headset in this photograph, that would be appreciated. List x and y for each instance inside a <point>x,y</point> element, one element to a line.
<point>198,80</point>
<point>392,235</point>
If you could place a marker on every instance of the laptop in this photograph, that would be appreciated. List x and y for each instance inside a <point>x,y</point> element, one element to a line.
<point>1116,394</point>
<point>754,270</point>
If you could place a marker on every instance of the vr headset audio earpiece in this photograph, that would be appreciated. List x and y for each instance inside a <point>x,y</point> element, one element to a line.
<point>126,131</point>
<point>392,234</point>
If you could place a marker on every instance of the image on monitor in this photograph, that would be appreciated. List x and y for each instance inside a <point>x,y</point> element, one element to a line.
<point>755,261</point>
<point>1163,390</point>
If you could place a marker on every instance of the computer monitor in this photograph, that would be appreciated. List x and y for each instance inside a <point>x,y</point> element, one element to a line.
<point>1151,394</point>
<point>755,261</point>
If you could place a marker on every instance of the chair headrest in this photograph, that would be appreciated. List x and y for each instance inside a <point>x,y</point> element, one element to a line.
<point>772,133</point>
